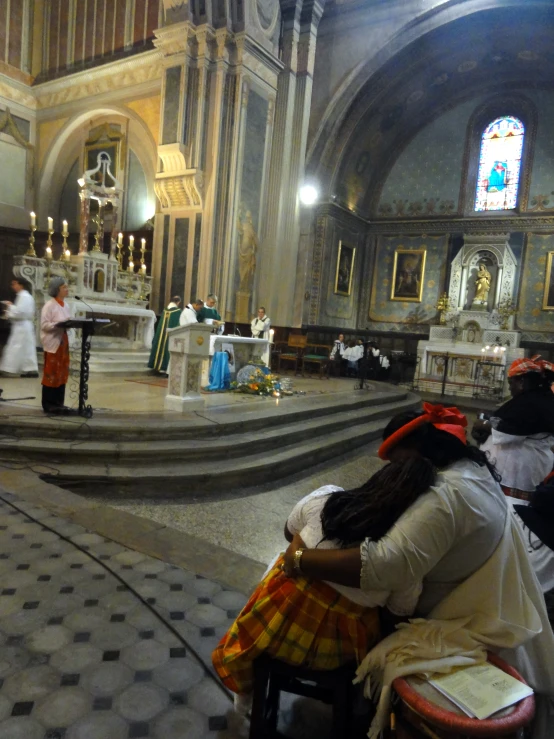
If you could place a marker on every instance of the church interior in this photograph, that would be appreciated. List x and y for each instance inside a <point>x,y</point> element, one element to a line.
<point>366,176</point>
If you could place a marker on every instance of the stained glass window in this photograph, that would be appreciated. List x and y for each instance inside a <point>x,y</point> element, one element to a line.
<point>500,164</point>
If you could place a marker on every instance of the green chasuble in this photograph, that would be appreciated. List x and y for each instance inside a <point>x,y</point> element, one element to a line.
<point>206,312</point>
<point>159,356</point>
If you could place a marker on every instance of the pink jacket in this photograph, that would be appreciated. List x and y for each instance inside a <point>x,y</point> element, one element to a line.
<point>50,334</point>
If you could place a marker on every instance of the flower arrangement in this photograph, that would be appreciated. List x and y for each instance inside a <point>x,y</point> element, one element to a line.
<point>258,383</point>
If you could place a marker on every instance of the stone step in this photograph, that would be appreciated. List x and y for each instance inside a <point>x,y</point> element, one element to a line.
<point>246,443</point>
<point>211,423</point>
<point>181,479</point>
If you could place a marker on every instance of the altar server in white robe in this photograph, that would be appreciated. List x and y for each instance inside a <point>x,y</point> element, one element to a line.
<point>190,313</point>
<point>260,325</point>
<point>20,354</point>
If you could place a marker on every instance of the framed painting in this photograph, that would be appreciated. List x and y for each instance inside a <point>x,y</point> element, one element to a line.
<point>548,298</point>
<point>408,275</point>
<point>345,269</point>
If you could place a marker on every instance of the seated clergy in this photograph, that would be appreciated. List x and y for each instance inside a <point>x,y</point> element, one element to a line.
<point>260,325</point>
<point>190,313</point>
<point>209,310</point>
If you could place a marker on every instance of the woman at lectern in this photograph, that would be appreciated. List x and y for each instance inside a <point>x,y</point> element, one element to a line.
<point>56,347</point>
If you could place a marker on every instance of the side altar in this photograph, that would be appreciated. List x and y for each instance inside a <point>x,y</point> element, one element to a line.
<point>99,287</point>
<point>467,354</point>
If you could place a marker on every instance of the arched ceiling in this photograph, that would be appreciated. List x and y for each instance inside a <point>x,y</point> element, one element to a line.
<point>490,52</point>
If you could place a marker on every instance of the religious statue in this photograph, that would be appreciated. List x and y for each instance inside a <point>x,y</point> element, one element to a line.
<point>483,284</point>
<point>248,246</point>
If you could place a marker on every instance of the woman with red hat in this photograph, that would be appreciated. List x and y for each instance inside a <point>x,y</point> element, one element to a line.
<point>519,436</point>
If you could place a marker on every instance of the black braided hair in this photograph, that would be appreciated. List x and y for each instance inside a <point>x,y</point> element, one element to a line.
<point>351,516</point>
<point>440,447</point>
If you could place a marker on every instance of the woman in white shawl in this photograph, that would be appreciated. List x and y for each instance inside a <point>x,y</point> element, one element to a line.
<point>461,539</point>
<point>20,354</point>
<point>55,342</point>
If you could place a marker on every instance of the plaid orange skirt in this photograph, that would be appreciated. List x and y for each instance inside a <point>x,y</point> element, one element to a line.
<point>56,365</point>
<point>301,622</point>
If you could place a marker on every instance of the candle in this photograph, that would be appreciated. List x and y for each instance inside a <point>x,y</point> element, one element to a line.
<point>65,232</point>
<point>50,224</point>
<point>143,268</point>
<point>67,254</point>
<point>131,267</point>
<point>131,241</point>
<point>33,220</point>
<point>271,335</point>
<point>143,244</point>
<point>120,239</point>
<point>48,252</point>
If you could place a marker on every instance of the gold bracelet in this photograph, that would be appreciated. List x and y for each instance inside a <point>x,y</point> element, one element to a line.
<point>296,560</point>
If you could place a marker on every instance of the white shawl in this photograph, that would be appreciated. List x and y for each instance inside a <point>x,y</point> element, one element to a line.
<point>499,607</point>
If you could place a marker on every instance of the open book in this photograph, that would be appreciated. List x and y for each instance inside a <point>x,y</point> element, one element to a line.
<point>481,690</point>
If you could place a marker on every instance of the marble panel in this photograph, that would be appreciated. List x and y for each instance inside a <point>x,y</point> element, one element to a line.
<point>172,104</point>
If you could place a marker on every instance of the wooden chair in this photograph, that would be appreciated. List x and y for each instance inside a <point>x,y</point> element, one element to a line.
<point>272,676</point>
<point>293,353</point>
<point>317,354</point>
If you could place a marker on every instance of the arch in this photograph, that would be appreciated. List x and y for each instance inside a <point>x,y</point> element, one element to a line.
<point>69,142</point>
<point>348,106</point>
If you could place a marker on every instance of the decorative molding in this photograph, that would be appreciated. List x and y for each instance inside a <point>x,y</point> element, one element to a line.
<point>178,186</point>
<point>16,92</point>
<point>7,125</point>
<point>317,264</point>
<point>137,70</point>
<point>509,224</point>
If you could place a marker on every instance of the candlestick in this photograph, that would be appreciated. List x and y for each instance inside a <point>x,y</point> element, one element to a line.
<point>66,254</point>
<point>50,224</point>
<point>31,250</point>
<point>49,253</point>
<point>65,232</point>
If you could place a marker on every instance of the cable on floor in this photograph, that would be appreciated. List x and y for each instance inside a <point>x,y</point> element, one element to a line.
<point>129,587</point>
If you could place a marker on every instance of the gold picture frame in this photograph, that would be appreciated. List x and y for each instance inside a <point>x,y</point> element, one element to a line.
<point>345,269</point>
<point>408,275</point>
<point>548,295</point>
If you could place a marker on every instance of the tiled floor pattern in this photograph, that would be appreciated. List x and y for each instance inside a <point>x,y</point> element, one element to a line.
<point>82,658</point>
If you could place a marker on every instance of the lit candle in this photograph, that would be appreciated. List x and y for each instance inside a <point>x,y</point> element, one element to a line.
<point>143,268</point>
<point>67,254</point>
<point>50,224</point>
<point>120,239</point>
<point>131,267</point>
<point>33,220</point>
<point>131,242</point>
<point>48,252</point>
<point>65,232</point>
<point>271,335</point>
<point>143,244</point>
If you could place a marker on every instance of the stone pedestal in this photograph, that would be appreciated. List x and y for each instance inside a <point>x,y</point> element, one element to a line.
<point>242,307</point>
<point>189,346</point>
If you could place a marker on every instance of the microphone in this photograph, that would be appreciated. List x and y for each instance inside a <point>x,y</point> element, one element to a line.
<point>82,300</point>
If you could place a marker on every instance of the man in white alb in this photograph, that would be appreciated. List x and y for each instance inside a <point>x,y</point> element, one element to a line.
<point>20,354</point>
<point>260,325</point>
<point>190,313</point>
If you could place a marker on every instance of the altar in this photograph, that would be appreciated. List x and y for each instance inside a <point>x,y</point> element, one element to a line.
<point>468,353</point>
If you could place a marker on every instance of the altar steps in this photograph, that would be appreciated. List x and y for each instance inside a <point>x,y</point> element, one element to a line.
<point>220,449</point>
<point>121,362</point>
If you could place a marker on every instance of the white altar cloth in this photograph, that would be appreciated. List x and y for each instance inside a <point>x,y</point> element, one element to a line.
<point>118,309</point>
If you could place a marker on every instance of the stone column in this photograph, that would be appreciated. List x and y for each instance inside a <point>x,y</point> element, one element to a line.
<point>189,346</point>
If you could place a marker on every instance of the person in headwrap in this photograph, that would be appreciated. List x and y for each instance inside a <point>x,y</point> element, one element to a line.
<point>56,347</point>
<point>519,435</point>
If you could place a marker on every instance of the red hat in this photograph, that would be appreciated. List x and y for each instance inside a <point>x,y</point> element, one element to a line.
<point>450,420</point>
<point>523,366</point>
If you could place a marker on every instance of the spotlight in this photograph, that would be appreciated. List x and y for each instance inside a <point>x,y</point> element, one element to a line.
<point>308,194</point>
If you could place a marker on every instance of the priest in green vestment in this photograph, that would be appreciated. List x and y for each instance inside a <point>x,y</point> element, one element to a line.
<point>209,310</point>
<point>159,356</point>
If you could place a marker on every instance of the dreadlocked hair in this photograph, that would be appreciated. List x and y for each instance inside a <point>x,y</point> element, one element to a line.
<point>351,516</point>
<point>440,447</point>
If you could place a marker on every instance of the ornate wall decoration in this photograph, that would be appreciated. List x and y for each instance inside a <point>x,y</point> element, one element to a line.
<point>548,297</point>
<point>531,316</point>
<point>267,12</point>
<point>317,263</point>
<point>345,269</point>
<point>408,275</point>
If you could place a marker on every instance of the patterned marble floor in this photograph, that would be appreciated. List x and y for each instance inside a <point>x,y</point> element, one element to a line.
<point>83,658</point>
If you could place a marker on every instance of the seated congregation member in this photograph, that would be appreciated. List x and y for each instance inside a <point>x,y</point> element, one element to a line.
<point>519,436</point>
<point>537,519</point>
<point>260,325</point>
<point>337,364</point>
<point>159,354</point>
<point>462,541</point>
<point>352,355</point>
<point>299,621</point>
<point>190,313</point>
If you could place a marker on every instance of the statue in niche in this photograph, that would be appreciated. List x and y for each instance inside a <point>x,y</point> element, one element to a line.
<point>248,246</point>
<point>483,285</point>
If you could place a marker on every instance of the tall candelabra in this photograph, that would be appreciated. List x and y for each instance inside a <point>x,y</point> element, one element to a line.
<point>31,250</point>
<point>119,250</point>
<point>142,268</point>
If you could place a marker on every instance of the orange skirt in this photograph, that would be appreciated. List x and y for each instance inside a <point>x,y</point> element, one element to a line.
<point>301,622</point>
<point>56,365</point>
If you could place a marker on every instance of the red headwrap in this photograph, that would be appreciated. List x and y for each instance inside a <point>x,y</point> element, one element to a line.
<point>450,420</point>
<point>523,366</point>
